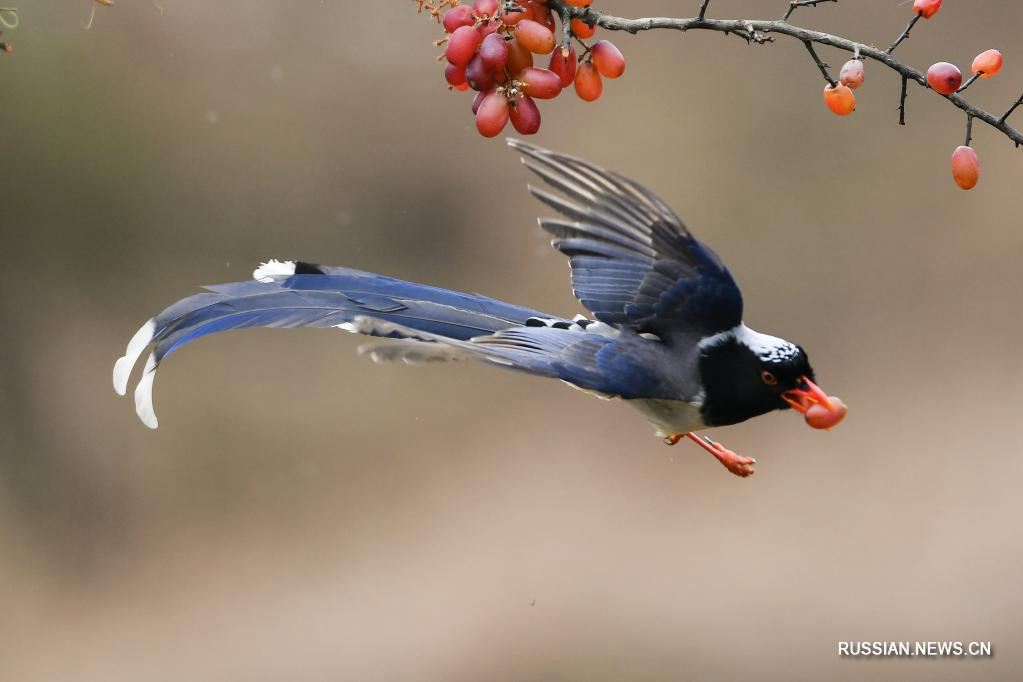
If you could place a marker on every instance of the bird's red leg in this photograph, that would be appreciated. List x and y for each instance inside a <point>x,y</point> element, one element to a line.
<point>737,464</point>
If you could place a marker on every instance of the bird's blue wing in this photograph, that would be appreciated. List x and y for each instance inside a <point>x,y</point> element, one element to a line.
<point>603,364</point>
<point>634,264</point>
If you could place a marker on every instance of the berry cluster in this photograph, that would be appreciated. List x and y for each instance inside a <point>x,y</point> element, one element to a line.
<point>942,77</point>
<point>490,47</point>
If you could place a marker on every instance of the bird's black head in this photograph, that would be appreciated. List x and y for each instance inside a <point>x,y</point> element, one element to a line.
<point>746,374</point>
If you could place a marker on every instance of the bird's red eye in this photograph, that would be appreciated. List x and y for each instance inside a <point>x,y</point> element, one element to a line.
<point>768,378</point>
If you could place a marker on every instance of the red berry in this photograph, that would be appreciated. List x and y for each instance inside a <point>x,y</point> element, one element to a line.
<point>928,8</point>
<point>478,76</point>
<point>488,7</point>
<point>494,51</point>
<point>518,57</point>
<point>587,82</point>
<point>535,37</point>
<point>840,99</point>
<point>581,29</point>
<point>540,83</point>
<point>457,17</point>
<point>478,99</point>
<point>564,66</point>
<point>578,3</point>
<point>965,167</point>
<point>454,74</point>
<point>462,45</point>
<point>944,77</point>
<point>852,73</point>
<point>461,87</point>
<point>525,115</point>
<point>608,59</point>
<point>492,116</point>
<point>987,63</point>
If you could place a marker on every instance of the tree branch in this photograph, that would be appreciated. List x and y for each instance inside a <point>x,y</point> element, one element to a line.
<point>902,103</point>
<point>742,26</point>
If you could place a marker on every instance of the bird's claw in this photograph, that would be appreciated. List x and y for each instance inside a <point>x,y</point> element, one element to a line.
<point>737,464</point>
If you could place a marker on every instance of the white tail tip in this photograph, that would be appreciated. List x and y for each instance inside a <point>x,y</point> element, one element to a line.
<point>144,394</point>
<point>124,365</point>
<point>273,268</point>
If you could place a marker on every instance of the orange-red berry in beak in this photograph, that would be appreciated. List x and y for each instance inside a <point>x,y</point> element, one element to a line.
<point>819,416</point>
<point>820,410</point>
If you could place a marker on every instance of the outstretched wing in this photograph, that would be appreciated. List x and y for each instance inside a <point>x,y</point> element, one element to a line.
<point>634,264</point>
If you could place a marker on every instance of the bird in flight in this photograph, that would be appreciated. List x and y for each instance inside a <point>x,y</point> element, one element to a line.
<point>666,334</point>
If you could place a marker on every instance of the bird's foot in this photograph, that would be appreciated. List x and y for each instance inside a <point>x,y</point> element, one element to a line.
<point>737,464</point>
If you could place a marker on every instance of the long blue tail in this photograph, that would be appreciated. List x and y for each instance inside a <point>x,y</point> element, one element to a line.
<point>297,294</point>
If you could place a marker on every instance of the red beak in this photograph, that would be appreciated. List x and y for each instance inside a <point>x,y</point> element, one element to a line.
<point>802,398</point>
<point>819,410</point>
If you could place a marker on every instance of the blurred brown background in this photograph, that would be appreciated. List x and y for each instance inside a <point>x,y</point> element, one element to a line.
<point>302,514</point>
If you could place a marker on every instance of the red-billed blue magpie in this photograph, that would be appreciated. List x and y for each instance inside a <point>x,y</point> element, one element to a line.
<point>666,336</point>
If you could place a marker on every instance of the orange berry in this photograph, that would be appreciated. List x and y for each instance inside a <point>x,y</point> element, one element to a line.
<point>587,82</point>
<point>820,417</point>
<point>840,99</point>
<point>581,29</point>
<point>987,63</point>
<point>535,37</point>
<point>965,167</point>
<point>928,8</point>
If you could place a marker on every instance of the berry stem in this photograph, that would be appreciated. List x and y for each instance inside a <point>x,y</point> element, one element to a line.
<point>802,3</point>
<point>703,9</point>
<point>969,129</point>
<point>905,34</point>
<point>821,65</point>
<point>969,82</point>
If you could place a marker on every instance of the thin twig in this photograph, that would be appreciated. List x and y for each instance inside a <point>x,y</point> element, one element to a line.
<point>1011,109</point>
<point>802,3</point>
<point>613,23</point>
<point>821,65</point>
<point>969,129</point>
<point>902,103</point>
<point>703,9</point>
<point>969,82</point>
<point>905,34</point>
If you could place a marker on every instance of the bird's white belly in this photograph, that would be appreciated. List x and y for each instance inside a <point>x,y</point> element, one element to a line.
<point>670,416</point>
